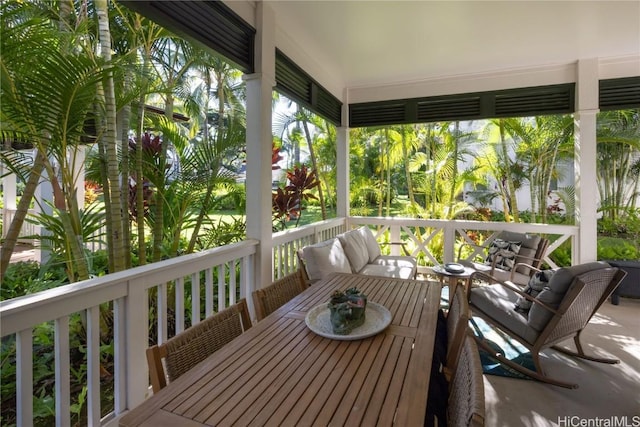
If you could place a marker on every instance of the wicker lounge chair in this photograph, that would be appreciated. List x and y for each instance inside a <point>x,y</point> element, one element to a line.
<point>561,311</point>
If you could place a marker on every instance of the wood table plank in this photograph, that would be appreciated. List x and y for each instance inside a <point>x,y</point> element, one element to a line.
<point>280,373</point>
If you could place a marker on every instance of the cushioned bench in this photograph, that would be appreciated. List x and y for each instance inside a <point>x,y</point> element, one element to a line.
<point>355,251</point>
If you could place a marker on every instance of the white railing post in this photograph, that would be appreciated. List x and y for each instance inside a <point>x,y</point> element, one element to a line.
<point>137,333</point>
<point>222,292</point>
<point>195,298</point>
<point>93,366</point>
<point>62,386</point>
<point>394,236</point>
<point>178,315</point>
<point>119,355</point>
<point>449,236</point>
<point>247,284</point>
<point>24,377</point>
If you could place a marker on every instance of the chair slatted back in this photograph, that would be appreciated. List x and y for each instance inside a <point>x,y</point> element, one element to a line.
<point>185,350</point>
<point>582,300</point>
<point>269,299</point>
<point>457,325</point>
<point>466,389</point>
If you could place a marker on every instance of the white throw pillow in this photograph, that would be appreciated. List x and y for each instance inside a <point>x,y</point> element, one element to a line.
<point>324,258</point>
<point>355,248</point>
<point>373,248</point>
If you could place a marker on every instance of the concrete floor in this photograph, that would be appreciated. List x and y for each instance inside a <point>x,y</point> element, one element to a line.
<point>606,392</point>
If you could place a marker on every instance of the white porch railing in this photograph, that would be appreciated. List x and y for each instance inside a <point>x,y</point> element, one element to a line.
<point>431,241</point>
<point>183,290</point>
<point>286,243</point>
<point>424,237</point>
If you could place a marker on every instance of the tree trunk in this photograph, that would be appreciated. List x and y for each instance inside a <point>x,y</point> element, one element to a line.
<point>314,165</point>
<point>513,202</point>
<point>114,214</point>
<point>405,155</point>
<point>124,174</point>
<point>454,177</point>
<point>9,243</point>
<point>388,178</point>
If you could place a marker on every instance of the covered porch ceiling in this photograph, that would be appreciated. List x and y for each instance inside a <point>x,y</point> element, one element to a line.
<point>381,42</point>
<point>365,46</point>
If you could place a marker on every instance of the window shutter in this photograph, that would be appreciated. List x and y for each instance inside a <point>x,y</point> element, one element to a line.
<point>295,83</point>
<point>556,99</point>
<point>211,23</point>
<point>618,94</point>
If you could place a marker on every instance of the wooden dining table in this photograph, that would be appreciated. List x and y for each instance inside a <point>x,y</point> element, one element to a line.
<point>279,372</point>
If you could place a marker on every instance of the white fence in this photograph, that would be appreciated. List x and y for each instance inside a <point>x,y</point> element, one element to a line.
<point>96,242</point>
<point>435,241</point>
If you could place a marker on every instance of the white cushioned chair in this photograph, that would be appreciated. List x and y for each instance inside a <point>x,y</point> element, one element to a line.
<point>355,251</point>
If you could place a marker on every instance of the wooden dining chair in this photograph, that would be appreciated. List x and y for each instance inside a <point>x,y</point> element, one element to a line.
<point>182,352</point>
<point>466,389</point>
<point>269,299</point>
<point>457,326</point>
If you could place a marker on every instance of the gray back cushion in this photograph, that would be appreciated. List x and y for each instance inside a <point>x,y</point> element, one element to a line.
<point>553,293</point>
<point>530,241</point>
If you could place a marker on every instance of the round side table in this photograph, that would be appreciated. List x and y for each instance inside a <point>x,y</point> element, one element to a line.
<point>454,278</point>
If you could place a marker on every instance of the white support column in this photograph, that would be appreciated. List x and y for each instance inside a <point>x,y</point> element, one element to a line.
<point>585,249</point>
<point>78,156</point>
<point>259,141</point>
<point>44,200</point>
<point>342,161</point>
<point>9,193</point>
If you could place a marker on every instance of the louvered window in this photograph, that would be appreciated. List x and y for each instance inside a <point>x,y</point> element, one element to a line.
<point>211,23</point>
<point>556,99</point>
<point>295,83</point>
<point>617,94</point>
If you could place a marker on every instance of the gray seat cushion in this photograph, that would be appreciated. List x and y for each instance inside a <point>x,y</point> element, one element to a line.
<point>497,302</point>
<point>396,261</point>
<point>501,275</point>
<point>530,241</point>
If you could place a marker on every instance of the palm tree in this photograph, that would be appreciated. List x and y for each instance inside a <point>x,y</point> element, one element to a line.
<point>172,59</point>
<point>540,143</point>
<point>495,162</point>
<point>109,143</point>
<point>618,169</point>
<point>435,170</point>
<point>48,93</point>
